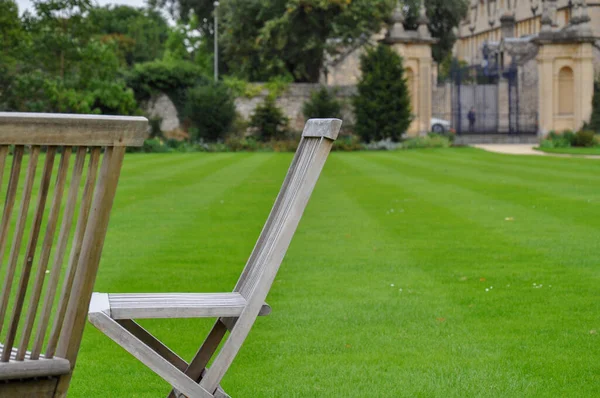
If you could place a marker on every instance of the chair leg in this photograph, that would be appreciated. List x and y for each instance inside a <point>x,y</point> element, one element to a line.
<point>148,356</point>
<point>152,342</point>
<point>198,364</point>
<point>220,393</point>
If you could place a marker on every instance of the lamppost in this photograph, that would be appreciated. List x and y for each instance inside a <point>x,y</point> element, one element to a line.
<point>216,32</point>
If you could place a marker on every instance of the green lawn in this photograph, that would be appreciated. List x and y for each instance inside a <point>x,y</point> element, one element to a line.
<point>572,150</point>
<point>426,273</point>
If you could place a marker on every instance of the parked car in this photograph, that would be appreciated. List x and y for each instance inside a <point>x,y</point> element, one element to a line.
<point>440,126</point>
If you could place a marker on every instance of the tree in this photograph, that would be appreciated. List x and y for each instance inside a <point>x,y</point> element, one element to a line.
<point>12,38</point>
<point>382,105</point>
<point>211,109</point>
<point>269,121</point>
<point>139,33</point>
<point>93,86</point>
<point>444,16</point>
<point>322,104</point>
<point>64,68</point>
<point>293,36</point>
<point>11,30</point>
<point>59,29</point>
<point>186,10</point>
<point>595,119</point>
<point>261,39</point>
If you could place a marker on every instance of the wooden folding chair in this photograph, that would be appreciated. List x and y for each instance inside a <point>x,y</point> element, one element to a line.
<point>237,311</point>
<point>44,299</point>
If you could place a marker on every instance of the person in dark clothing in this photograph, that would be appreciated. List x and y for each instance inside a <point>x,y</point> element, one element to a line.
<point>471,117</point>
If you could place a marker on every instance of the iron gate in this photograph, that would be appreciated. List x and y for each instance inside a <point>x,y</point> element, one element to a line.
<point>487,101</point>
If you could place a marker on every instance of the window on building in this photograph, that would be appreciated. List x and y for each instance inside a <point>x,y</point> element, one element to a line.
<point>566,93</point>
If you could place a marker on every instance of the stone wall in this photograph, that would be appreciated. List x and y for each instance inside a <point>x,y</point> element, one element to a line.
<point>293,99</point>
<point>291,102</point>
<point>162,107</point>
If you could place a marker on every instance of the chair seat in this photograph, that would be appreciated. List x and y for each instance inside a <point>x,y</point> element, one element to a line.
<point>177,305</point>
<point>29,368</point>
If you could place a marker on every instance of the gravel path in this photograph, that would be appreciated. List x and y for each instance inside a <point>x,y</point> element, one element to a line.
<point>526,149</point>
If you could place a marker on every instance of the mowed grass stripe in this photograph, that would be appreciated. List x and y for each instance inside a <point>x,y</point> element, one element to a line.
<point>338,328</point>
<point>143,162</point>
<point>462,315</point>
<point>562,219</point>
<point>181,205</point>
<point>527,303</point>
<point>573,184</point>
<point>152,181</point>
<point>543,167</point>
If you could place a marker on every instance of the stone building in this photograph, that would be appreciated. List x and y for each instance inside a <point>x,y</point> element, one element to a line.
<point>543,55</point>
<point>483,23</point>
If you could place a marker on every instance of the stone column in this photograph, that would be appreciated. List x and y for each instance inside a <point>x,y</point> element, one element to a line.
<point>584,87</point>
<point>507,25</point>
<point>414,46</point>
<point>546,90</point>
<point>572,48</point>
<point>503,103</point>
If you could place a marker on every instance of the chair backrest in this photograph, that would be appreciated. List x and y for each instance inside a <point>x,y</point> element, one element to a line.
<point>50,246</point>
<point>263,264</point>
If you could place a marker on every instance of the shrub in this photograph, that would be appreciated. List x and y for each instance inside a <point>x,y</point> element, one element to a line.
<point>172,77</point>
<point>322,104</point>
<point>239,127</point>
<point>584,138</point>
<point>241,88</point>
<point>211,110</point>
<point>155,131</point>
<point>269,121</point>
<point>289,145</point>
<point>556,140</point>
<point>348,143</point>
<point>382,105</point>
<point>248,144</point>
<point>382,145</point>
<point>568,136</point>
<point>432,140</point>
<point>155,145</point>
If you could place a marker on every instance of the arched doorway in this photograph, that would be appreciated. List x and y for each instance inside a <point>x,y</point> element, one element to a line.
<point>410,82</point>
<point>566,91</point>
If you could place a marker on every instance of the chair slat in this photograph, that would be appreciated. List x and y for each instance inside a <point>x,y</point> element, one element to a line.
<point>18,235</point>
<point>29,255</point>
<point>89,260</point>
<point>45,253</point>
<point>11,193</point>
<point>3,156</point>
<point>84,212</point>
<point>61,248</point>
<point>72,130</point>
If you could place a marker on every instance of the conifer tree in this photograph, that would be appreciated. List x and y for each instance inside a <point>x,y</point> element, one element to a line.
<point>382,105</point>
